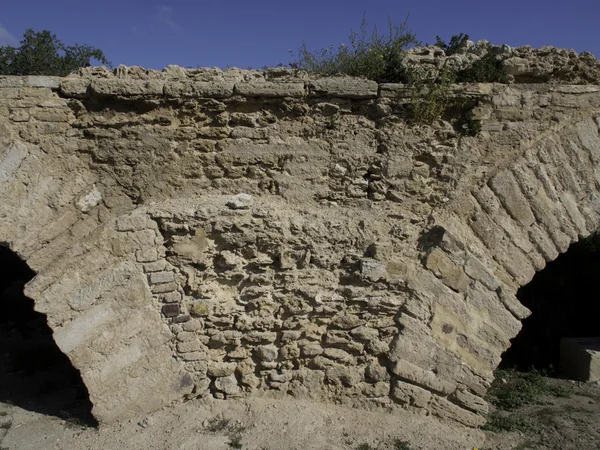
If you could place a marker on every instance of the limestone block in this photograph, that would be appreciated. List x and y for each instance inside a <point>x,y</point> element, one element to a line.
<point>446,270</point>
<point>271,89</point>
<point>131,223</point>
<point>161,277</point>
<point>220,370</point>
<point>90,200</point>
<point>477,270</point>
<point>580,358</point>
<point>409,394</point>
<point>164,288</point>
<point>347,321</point>
<point>199,89</point>
<point>347,376</point>
<point>194,356</point>
<point>395,90</point>
<point>75,87</point>
<point>147,255</point>
<point>343,87</point>
<point>10,93</point>
<point>447,410</point>
<point>267,353</point>
<point>228,385</point>
<point>11,159</point>
<point>11,82</point>
<point>339,355</point>
<point>513,304</point>
<point>43,82</point>
<point>240,201</point>
<point>190,346</point>
<point>372,270</point>
<point>426,378</point>
<point>375,372</point>
<point>125,87</point>
<point>311,349</point>
<point>171,310</point>
<point>470,401</point>
<point>507,189</point>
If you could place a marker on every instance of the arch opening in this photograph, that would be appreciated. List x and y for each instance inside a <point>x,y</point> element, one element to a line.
<point>564,299</point>
<point>34,374</point>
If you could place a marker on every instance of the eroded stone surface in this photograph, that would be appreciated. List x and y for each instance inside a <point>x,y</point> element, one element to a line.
<point>232,233</point>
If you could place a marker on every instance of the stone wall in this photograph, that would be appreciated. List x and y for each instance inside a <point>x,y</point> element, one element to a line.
<point>208,233</point>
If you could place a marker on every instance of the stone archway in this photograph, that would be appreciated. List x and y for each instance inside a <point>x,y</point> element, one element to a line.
<point>34,373</point>
<point>564,303</point>
<point>383,314</point>
<point>488,243</point>
<point>89,282</point>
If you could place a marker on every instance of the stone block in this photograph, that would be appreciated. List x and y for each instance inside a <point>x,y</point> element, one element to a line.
<point>505,186</point>
<point>271,89</point>
<point>190,346</point>
<point>409,394</point>
<point>170,310</point>
<point>448,410</point>
<point>343,87</point>
<point>470,401</point>
<point>394,90</point>
<point>12,159</point>
<point>372,270</point>
<point>164,288</point>
<point>75,87</point>
<point>11,82</point>
<point>447,271</point>
<point>199,89</point>
<point>126,88</point>
<point>43,82</point>
<point>161,277</point>
<point>477,270</point>
<point>228,385</point>
<point>221,369</point>
<point>266,352</point>
<point>240,201</point>
<point>422,377</point>
<point>580,358</point>
<point>10,93</point>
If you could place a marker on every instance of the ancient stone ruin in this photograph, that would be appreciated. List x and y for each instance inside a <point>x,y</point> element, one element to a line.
<point>270,233</point>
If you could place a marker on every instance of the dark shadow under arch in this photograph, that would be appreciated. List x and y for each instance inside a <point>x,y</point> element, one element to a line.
<point>34,373</point>
<point>565,302</point>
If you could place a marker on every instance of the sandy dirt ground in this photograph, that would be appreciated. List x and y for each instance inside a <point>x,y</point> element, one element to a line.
<point>247,424</point>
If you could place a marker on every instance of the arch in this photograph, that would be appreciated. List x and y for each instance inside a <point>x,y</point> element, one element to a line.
<point>34,374</point>
<point>491,241</point>
<point>410,304</point>
<point>89,283</point>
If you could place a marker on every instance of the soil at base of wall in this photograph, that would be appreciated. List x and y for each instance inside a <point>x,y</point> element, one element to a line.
<point>555,423</point>
<point>551,422</point>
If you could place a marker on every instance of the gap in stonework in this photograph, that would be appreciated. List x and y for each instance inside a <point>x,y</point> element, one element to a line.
<point>34,374</point>
<point>564,299</point>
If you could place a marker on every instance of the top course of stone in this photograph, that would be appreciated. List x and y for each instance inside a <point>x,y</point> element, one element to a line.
<point>522,64</point>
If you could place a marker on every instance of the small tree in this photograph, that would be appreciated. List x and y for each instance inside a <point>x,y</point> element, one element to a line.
<point>458,44</point>
<point>41,53</point>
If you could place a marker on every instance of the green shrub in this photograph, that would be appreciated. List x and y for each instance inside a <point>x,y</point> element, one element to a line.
<point>401,445</point>
<point>429,97</point>
<point>512,422</point>
<point>488,69</point>
<point>376,57</point>
<point>514,389</point>
<point>458,44</point>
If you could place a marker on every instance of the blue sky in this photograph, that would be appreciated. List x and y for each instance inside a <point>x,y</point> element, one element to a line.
<point>261,32</point>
